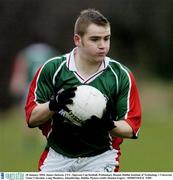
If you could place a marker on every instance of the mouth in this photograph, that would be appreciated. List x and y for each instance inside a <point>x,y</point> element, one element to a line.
<point>101,53</point>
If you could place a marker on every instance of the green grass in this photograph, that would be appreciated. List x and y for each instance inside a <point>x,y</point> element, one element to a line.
<point>152,152</point>
<point>20,147</point>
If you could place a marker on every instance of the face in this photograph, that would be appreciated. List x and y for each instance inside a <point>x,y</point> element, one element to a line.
<point>95,43</point>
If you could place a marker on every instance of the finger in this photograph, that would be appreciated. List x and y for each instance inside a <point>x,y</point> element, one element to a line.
<point>94,117</point>
<point>68,101</point>
<point>69,95</point>
<point>72,89</point>
<point>92,120</point>
<point>66,108</point>
<point>109,106</point>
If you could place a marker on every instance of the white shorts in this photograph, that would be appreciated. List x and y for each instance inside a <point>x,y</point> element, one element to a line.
<point>55,162</point>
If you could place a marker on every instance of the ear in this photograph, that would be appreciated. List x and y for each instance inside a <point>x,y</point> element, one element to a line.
<point>77,40</point>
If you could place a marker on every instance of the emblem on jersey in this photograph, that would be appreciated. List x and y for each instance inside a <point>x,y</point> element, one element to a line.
<point>108,168</point>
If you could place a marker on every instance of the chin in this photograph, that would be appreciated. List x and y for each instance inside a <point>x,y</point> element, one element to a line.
<point>100,59</point>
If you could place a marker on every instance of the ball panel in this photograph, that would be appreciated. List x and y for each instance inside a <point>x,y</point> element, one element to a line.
<point>88,101</point>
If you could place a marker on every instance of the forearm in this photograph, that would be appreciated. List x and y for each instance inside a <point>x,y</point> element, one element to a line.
<point>122,130</point>
<point>40,114</point>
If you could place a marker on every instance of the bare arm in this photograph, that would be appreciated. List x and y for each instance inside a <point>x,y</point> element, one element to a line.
<point>122,130</point>
<point>40,114</point>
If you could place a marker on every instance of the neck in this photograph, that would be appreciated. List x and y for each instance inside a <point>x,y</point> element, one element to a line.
<point>86,67</point>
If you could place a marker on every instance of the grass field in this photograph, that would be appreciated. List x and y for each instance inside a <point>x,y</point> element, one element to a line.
<point>152,152</point>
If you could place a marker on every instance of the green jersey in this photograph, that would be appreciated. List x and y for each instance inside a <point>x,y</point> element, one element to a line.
<point>113,79</point>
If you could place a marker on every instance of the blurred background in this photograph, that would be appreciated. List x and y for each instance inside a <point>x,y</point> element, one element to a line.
<point>142,39</point>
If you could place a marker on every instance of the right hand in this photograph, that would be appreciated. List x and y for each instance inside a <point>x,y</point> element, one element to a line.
<point>59,100</point>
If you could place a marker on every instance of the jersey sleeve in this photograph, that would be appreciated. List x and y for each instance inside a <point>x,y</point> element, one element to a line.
<point>40,90</point>
<point>128,102</point>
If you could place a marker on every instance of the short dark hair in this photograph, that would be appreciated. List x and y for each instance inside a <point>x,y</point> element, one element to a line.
<point>87,17</point>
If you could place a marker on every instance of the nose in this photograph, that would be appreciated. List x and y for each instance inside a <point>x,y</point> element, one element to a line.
<point>102,44</point>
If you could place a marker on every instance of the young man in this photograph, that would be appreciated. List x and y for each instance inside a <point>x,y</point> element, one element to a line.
<point>95,145</point>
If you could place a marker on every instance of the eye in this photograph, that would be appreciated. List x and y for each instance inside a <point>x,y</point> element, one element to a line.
<point>107,38</point>
<point>94,39</point>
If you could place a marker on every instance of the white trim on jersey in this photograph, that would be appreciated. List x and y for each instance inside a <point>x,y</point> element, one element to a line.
<point>71,61</point>
<point>56,72</point>
<point>72,67</point>
<point>115,77</point>
<point>35,96</point>
<point>130,84</point>
<point>128,97</point>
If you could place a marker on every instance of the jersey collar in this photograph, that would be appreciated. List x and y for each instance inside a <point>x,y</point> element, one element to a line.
<point>71,61</point>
